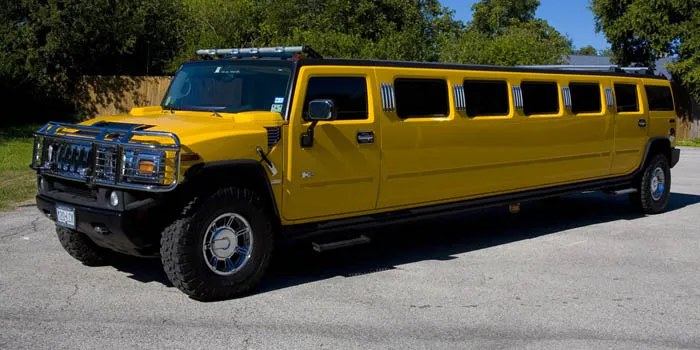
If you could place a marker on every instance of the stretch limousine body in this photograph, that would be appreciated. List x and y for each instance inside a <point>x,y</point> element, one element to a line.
<point>261,146</point>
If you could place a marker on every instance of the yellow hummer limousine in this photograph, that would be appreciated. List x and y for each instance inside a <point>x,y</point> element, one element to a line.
<point>254,147</point>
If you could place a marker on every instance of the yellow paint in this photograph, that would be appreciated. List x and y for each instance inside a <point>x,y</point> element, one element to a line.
<point>421,161</point>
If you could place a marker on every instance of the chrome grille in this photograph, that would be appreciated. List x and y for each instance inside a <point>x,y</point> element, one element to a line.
<point>69,158</point>
<point>98,154</point>
<point>106,164</point>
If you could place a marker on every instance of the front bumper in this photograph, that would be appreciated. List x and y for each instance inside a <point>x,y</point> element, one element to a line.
<point>675,156</point>
<point>129,232</point>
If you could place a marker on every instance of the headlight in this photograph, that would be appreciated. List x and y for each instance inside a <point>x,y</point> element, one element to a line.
<point>143,166</point>
<point>38,151</point>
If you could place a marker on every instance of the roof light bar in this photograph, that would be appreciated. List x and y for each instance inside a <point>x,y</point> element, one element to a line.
<point>278,51</point>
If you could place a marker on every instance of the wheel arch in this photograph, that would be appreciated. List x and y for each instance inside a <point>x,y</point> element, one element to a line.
<point>656,145</point>
<point>205,178</point>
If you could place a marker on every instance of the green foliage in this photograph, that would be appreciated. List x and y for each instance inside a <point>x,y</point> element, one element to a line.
<point>50,45</point>
<point>491,17</point>
<point>506,32</point>
<point>642,30</point>
<point>587,50</point>
<point>385,29</point>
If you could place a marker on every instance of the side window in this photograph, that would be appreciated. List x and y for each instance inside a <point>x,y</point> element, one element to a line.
<point>585,98</point>
<point>540,98</point>
<point>348,93</point>
<point>486,98</point>
<point>416,98</point>
<point>659,98</point>
<point>626,98</point>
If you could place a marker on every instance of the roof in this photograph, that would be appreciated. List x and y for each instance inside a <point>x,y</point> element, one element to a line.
<point>438,65</point>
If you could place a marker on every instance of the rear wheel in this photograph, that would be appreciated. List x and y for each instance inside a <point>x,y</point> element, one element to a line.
<point>221,248</point>
<point>654,188</point>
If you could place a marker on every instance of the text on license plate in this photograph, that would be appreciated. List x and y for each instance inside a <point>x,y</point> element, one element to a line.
<point>65,216</point>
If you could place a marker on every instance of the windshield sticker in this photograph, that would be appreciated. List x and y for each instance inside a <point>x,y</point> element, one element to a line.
<point>218,69</point>
<point>277,107</point>
<point>167,101</point>
<point>279,99</point>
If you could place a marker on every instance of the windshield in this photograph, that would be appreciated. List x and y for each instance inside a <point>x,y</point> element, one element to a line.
<point>230,86</point>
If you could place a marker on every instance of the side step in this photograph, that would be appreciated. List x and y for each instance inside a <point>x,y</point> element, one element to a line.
<point>621,192</point>
<point>322,247</point>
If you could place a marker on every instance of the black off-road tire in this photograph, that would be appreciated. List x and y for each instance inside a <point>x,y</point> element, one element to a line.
<point>643,200</point>
<point>82,248</point>
<point>181,246</point>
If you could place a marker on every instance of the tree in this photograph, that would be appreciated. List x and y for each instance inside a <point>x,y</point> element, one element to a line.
<point>587,50</point>
<point>49,46</point>
<point>384,29</point>
<point>505,32</point>
<point>490,17</point>
<point>642,30</point>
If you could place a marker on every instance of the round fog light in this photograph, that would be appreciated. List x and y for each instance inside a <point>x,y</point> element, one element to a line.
<point>114,199</point>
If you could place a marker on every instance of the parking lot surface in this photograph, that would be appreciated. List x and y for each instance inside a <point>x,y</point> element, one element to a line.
<point>581,272</point>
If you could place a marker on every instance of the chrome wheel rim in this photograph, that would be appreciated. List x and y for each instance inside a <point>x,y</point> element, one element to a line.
<point>228,243</point>
<point>658,184</point>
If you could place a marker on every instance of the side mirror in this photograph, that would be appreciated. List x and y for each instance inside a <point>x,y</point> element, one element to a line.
<point>318,110</point>
<point>321,110</point>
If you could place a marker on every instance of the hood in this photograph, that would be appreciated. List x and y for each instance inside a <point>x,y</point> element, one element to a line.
<point>192,125</point>
<point>204,133</point>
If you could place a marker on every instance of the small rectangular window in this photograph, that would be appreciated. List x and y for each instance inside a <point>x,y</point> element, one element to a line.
<point>486,97</point>
<point>349,94</point>
<point>416,98</point>
<point>585,98</point>
<point>540,97</point>
<point>659,97</point>
<point>626,98</point>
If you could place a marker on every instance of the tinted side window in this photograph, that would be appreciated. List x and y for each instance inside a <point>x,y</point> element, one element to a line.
<point>486,97</point>
<point>540,98</point>
<point>626,98</point>
<point>585,98</point>
<point>348,93</point>
<point>417,98</point>
<point>660,98</point>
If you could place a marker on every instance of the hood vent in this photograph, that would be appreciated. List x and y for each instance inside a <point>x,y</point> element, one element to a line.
<point>273,136</point>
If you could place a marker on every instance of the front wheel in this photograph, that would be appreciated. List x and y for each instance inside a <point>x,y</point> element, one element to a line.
<point>222,248</point>
<point>654,189</point>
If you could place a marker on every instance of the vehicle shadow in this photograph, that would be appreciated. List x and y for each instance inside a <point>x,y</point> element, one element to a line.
<point>437,239</point>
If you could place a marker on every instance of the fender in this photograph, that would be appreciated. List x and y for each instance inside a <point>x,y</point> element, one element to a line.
<point>249,168</point>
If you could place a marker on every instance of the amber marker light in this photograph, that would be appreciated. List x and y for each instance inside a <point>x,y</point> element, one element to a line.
<point>146,167</point>
<point>189,157</point>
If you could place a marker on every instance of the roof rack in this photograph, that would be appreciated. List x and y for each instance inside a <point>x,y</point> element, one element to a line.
<point>283,52</point>
<point>593,68</point>
<point>586,67</point>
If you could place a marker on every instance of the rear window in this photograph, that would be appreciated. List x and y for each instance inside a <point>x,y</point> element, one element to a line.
<point>540,98</point>
<point>585,98</point>
<point>626,98</point>
<point>660,98</point>
<point>486,98</point>
<point>416,98</point>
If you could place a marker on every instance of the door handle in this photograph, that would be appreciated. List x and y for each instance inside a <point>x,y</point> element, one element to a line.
<point>642,123</point>
<point>364,137</point>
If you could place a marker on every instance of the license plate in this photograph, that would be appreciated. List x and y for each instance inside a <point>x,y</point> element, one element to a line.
<point>65,216</point>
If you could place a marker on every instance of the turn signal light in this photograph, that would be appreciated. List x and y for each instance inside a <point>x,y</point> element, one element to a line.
<point>146,167</point>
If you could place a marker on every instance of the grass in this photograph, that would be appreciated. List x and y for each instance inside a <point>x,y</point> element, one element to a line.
<point>689,143</point>
<point>17,181</point>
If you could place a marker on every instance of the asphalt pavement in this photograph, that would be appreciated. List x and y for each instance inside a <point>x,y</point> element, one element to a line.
<point>581,272</point>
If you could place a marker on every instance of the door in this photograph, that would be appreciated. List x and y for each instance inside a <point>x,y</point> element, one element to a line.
<point>630,125</point>
<point>338,174</point>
